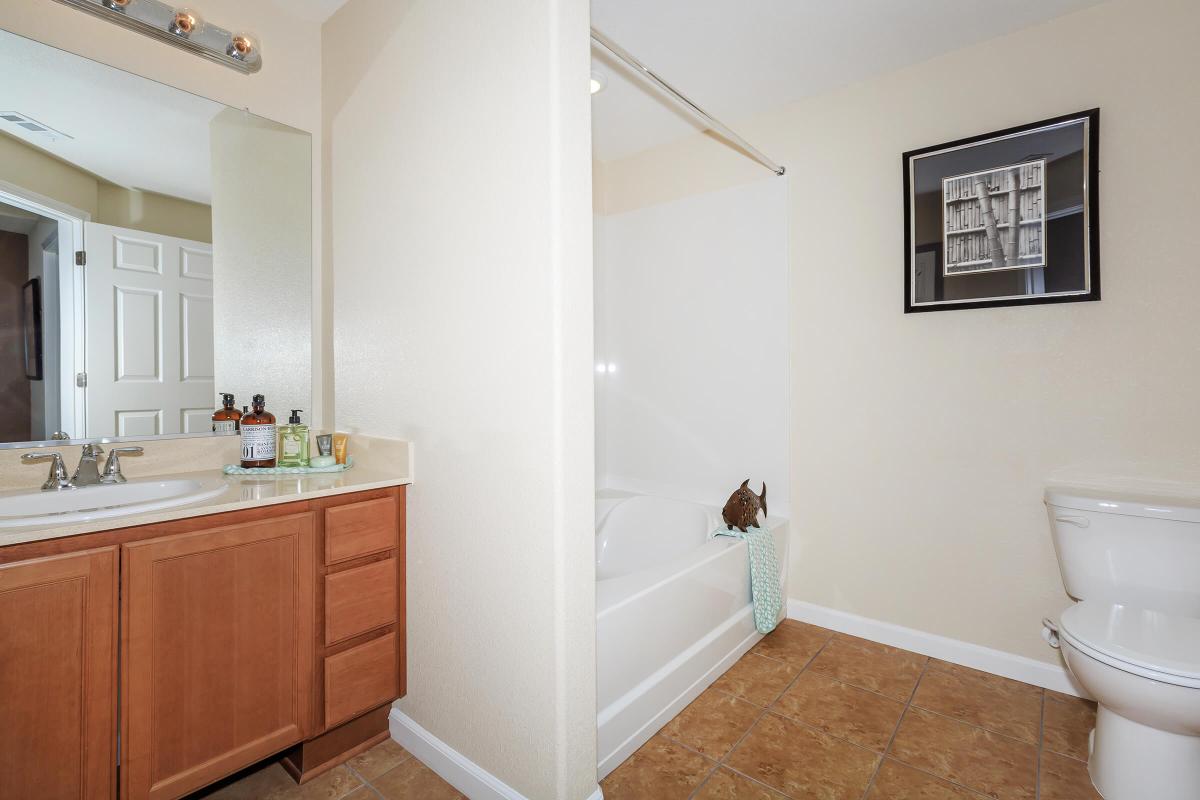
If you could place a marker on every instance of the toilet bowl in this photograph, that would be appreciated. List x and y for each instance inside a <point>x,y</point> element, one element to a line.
<point>1133,639</point>
<point>1143,668</point>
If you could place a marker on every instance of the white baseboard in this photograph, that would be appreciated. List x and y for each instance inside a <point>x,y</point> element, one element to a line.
<point>997,662</point>
<point>456,769</point>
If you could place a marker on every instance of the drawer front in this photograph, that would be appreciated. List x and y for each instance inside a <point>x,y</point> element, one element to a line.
<point>360,529</point>
<point>359,600</point>
<point>360,679</point>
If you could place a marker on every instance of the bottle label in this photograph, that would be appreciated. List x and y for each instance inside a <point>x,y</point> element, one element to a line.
<point>258,442</point>
<point>291,446</point>
<point>225,426</point>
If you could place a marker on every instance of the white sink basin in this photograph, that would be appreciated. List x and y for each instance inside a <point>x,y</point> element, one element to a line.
<point>35,507</point>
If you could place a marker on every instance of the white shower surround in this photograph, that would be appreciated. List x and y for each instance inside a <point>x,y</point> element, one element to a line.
<point>692,358</point>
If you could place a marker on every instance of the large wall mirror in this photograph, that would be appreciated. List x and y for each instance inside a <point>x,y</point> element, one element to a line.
<point>155,250</point>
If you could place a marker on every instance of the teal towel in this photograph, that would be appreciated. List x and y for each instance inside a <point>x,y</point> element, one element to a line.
<point>764,574</point>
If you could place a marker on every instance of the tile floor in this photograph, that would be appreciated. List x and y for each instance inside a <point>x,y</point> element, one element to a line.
<point>386,771</point>
<point>812,714</point>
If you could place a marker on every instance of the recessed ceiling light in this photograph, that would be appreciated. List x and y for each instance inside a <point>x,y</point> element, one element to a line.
<point>598,82</point>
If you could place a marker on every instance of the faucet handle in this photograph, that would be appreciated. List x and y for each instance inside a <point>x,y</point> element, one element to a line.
<point>112,467</point>
<point>57,480</point>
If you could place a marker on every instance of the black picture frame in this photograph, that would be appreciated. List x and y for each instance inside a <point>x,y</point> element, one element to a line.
<point>31,328</point>
<point>1088,239</point>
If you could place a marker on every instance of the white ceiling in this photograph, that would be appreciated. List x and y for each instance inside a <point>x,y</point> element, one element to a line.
<point>736,59</point>
<point>128,130</point>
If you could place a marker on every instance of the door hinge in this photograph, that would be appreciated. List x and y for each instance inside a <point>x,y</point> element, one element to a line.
<point>81,258</point>
<point>81,380</point>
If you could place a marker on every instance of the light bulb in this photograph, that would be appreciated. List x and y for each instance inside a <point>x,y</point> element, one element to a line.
<point>243,46</point>
<point>598,82</point>
<point>185,22</point>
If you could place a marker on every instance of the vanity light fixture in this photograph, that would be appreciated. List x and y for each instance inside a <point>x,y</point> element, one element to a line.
<point>598,82</point>
<point>182,27</point>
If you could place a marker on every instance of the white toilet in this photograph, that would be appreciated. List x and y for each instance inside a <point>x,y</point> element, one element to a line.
<point>1133,639</point>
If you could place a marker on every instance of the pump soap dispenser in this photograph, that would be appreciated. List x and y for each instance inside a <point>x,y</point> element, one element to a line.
<point>293,442</point>
<point>226,419</point>
<point>258,436</point>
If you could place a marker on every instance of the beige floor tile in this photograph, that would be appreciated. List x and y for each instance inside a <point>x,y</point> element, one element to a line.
<point>1067,724</point>
<point>265,781</point>
<point>896,781</point>
<point>802,762</point>
<point>272,782</point>
<point>842,710</point>
<point>887,670</point>
<point>794,642</point>
<point>984,677</point>
<point>987,762</point>
<point>713,723</point>
<point>384,756</point>
<point>332,785</point>
<point>1066,779</point>
<point>988,701</point>
<point>412,780</point>
<point>661,769</point>
<point>363,792</point>
<point>757,679</point>
<point>727,785</point>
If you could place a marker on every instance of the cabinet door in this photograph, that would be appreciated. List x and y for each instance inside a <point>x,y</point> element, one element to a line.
<point>217,649</point>
<point>58,677</point>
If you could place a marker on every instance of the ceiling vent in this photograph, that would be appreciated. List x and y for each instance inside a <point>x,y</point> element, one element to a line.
<point>31,125</point>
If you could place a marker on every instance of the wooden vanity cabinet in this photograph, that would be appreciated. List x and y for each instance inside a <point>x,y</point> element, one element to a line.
<point>216,651</point>
<point>58,676</point>
<point>274,630</point>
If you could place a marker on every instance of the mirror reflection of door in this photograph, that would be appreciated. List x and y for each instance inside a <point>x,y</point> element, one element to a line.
<point>150,217</point>
<point>149,332</point>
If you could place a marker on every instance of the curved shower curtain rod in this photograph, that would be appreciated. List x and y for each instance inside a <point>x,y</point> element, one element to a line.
<point>714,123</point>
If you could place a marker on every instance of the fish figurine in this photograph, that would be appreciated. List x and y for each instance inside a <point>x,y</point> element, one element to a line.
<point>741,510</point>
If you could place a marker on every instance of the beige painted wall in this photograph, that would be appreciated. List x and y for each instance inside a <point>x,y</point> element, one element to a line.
<point>107,203</point>
<point>462,266</point>
<point>922,443</point>
<point>287,90</point>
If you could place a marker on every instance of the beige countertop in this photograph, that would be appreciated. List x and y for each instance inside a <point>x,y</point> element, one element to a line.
<point>379,463</point>
<point>242,492</point>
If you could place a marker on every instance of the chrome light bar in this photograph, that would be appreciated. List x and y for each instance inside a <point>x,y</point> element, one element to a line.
<point>182,27</point>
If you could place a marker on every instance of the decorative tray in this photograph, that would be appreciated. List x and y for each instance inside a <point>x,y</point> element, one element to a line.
<point>234,469</point>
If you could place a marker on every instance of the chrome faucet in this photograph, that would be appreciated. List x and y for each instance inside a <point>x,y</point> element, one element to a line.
<point>87,473</point>
<point>57,481</point>
<point>112,467</point>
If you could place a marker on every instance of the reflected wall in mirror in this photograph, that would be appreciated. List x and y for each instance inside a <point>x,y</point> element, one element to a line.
<point>171,237</point>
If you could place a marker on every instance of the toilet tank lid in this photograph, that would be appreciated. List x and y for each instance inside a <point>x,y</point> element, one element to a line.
<point>1134,504</point>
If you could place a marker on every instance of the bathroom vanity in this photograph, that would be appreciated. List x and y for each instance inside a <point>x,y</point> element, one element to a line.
<point>201,645</point>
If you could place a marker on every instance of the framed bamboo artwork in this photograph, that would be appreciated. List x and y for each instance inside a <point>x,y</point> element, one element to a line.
<point>1004,218</point>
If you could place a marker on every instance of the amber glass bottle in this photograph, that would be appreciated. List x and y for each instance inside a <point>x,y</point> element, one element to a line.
<point>226,418</point>
<point>258,436</point>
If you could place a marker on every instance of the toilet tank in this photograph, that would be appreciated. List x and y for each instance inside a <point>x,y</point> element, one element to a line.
<point>1130,549</point>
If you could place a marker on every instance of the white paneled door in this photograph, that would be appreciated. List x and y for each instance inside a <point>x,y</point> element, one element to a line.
<point>149,333</point>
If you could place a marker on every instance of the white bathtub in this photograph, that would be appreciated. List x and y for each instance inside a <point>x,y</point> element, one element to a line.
<point>672,612</point>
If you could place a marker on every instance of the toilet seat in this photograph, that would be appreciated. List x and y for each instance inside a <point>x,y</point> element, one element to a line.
<point>1153,644</point>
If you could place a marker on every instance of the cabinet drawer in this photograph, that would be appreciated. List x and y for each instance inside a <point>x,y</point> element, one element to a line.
<point>360,529</point>
<point>360,679</point>
<point>359,600</point>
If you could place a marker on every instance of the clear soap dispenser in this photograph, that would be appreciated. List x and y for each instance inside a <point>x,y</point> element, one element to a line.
<point>293,442</point>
